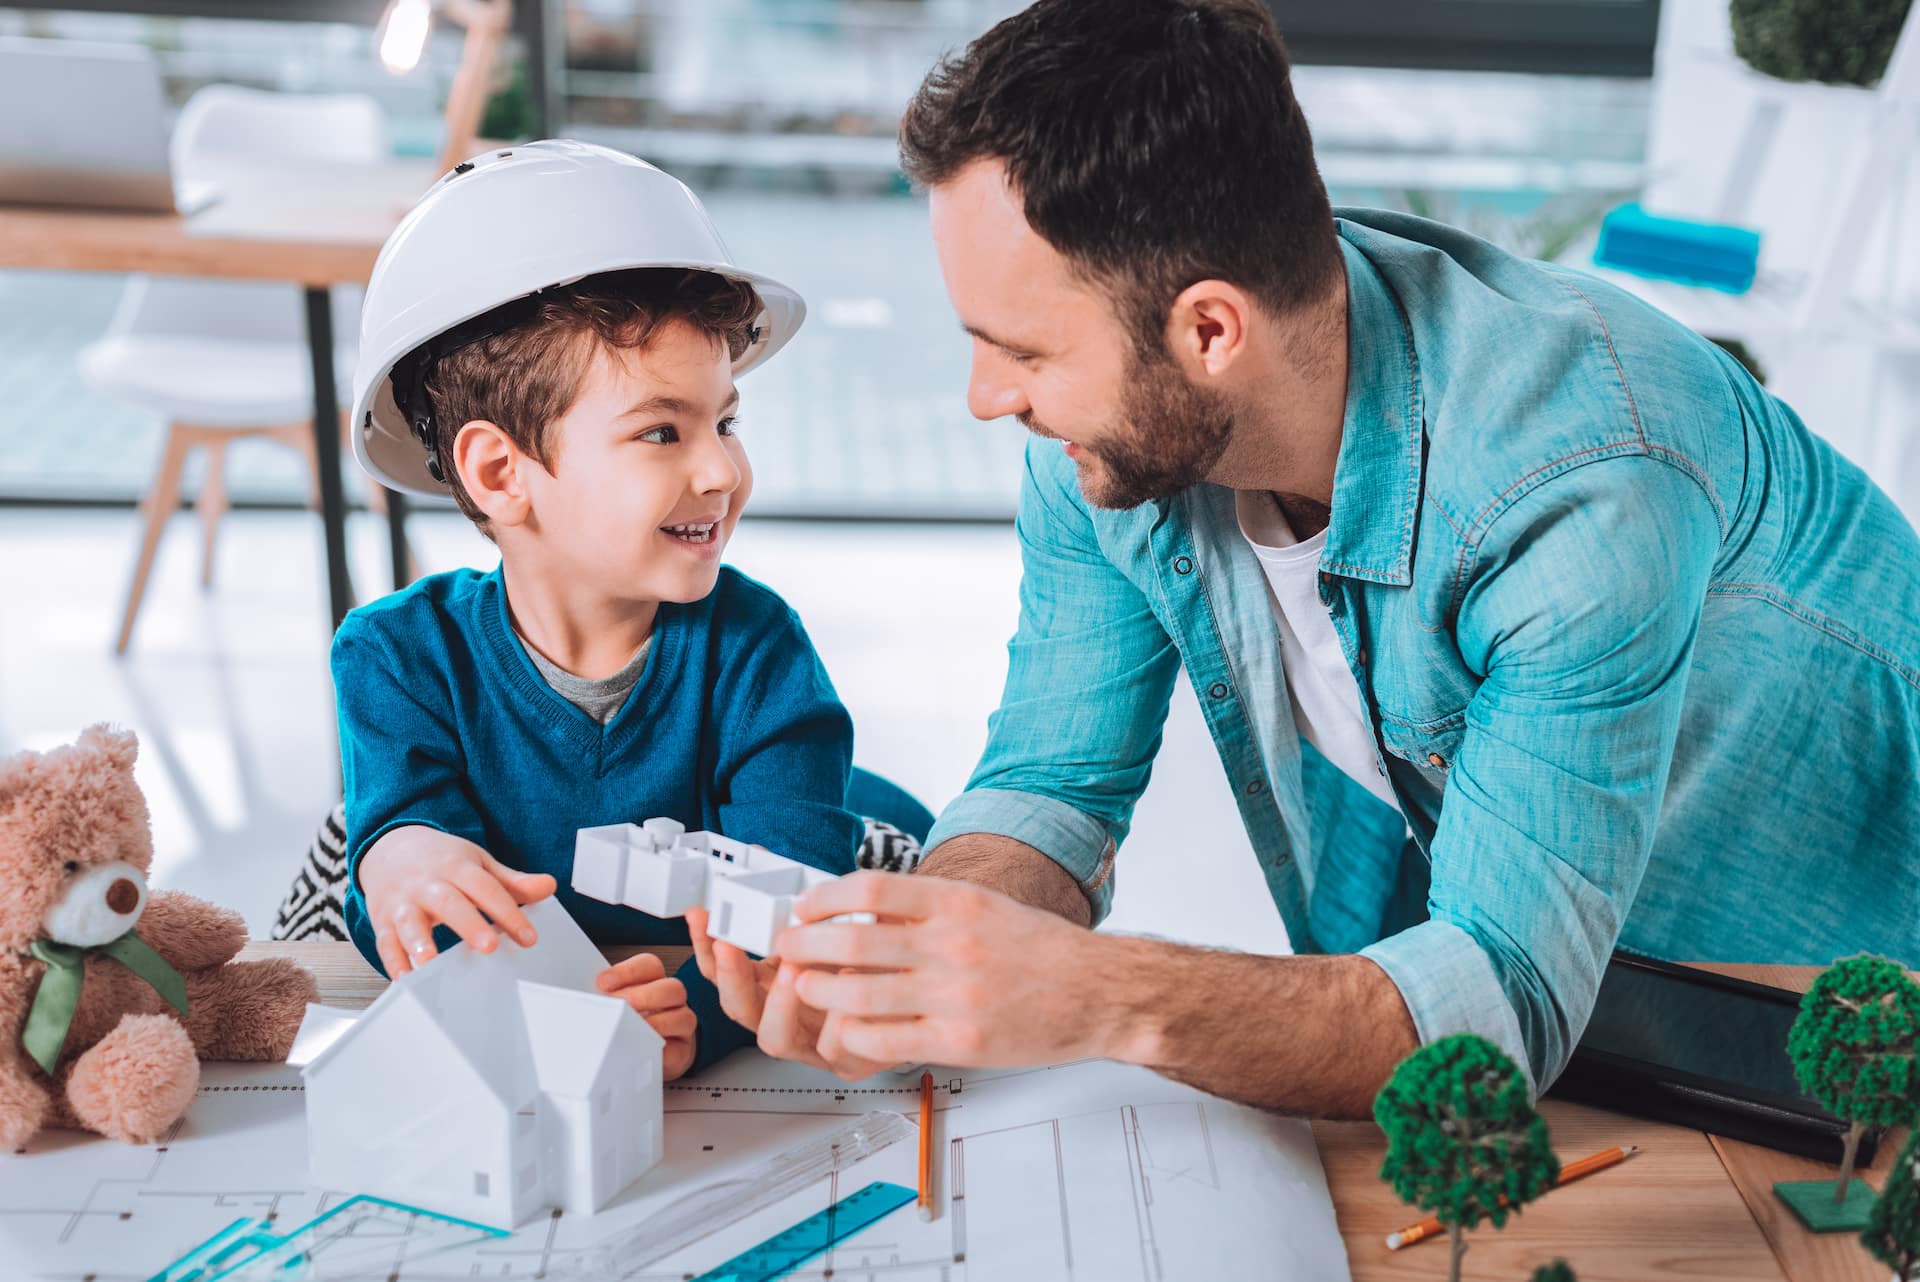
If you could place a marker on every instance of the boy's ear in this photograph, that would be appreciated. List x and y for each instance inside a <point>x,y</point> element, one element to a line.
<point>489,465</point>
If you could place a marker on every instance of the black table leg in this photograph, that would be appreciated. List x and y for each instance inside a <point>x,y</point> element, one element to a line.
<point>326,441</point>
<point>397,538</point>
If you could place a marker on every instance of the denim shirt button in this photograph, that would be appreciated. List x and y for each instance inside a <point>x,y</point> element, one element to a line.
<point>1218,690</point>
<point>1255,787</point>
<point>1182,565</point>
<point>1437,761</point>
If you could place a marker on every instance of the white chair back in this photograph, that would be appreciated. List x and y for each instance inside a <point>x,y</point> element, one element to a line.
<point>223,125</point>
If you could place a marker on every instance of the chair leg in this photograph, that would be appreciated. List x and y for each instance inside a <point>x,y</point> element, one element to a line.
<point>162,501</point>
<point>211,506</point>
<point>299,436</point>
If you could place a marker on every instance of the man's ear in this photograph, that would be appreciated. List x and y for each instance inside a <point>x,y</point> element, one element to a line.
<point>489,464</point>
<point>1209,326</point>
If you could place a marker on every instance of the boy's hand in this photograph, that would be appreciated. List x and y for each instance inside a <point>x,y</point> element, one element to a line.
<point>415,877</point>
<point>641,982</point>
<point>760,997</point>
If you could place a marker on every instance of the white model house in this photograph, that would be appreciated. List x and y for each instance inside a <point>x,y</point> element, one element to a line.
<point>487,1086</point>
<point>661,868</point>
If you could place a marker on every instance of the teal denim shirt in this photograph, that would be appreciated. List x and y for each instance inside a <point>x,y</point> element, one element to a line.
<point>1641,654</point>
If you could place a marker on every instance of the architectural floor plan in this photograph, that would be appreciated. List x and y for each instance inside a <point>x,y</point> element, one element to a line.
<point>1086,1172</point>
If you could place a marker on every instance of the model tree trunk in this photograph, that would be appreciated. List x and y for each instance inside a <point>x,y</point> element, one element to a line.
<point>1458,1237</point>
<point>1847,1156</point>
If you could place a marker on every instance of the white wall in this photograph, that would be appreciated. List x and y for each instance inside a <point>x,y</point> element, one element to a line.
<point>1702,97</point>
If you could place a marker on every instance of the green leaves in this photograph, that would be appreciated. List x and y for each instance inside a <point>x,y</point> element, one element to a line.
<point>1855,1043</point>
<point>1463,1140</point>
<point>1555,1272</point>
<point>1844,42</point>
<point>1893,1228</point>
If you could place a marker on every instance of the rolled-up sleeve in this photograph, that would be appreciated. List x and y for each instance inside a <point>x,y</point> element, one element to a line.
<point>1581,605</point>
<point>1090,672</point>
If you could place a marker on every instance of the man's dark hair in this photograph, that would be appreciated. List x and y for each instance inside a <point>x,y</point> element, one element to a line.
<point>1154,143</point>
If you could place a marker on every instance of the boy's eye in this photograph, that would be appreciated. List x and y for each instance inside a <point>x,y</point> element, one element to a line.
<point>665,434</point>
<point>729,426</point>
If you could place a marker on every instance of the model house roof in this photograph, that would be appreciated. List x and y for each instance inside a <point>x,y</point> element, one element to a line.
<point>527,1020</point>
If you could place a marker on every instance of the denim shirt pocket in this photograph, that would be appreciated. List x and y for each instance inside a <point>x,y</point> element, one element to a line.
<point>1424,749</point>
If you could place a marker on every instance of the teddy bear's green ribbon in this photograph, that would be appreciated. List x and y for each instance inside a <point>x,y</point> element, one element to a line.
<point>58,995</point>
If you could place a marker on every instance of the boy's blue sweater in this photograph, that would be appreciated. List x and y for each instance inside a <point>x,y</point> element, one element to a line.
<point>733,727</point>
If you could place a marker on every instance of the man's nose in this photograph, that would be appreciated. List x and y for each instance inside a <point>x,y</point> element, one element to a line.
<point>990,394</point>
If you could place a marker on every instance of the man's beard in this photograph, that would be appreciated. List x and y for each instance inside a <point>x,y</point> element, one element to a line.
<point>1169,437</point>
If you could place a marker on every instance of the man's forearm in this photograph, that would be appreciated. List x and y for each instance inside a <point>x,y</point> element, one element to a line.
<point>1310,1035</point>
<point>1316,1036</point>
<point>1013,868</point>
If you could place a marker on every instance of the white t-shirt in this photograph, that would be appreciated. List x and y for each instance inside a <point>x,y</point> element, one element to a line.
<point>1326,699</point>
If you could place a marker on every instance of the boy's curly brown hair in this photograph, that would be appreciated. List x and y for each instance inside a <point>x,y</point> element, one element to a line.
<point>527,377</point>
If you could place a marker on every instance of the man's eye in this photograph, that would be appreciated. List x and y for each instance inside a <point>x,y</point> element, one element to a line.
<point>730,426</point>
<point>665,434</point>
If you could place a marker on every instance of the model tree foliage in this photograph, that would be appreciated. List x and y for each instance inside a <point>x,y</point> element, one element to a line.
<point>1555,1272</point>
<point>1842,42</point>
<point>1854,1048</point>
<point>1893,1229</point>
<point>1463,1140</point>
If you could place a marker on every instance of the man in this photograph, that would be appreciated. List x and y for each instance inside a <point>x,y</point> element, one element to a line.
<point>1525,623</point>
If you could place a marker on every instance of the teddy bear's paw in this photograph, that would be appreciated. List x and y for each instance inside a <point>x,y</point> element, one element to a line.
<point>136,1081</point>
<point>23,1111</point>
<point>249,1010</point>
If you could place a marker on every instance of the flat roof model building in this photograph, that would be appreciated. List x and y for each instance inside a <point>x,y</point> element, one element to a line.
<point>661,868</point>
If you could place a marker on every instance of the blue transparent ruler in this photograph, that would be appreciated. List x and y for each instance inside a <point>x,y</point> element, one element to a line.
<point>790,1248</point>
<point>361,1237</point>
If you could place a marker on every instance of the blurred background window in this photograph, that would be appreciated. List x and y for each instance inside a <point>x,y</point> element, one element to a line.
<point>1522,120</point>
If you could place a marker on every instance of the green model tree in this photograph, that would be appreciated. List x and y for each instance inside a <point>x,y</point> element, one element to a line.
<point>1463,1140</point>
<point>1854,1048</point>
<point>1555,1272</point>
<point>1843,42</point>
<point>1893,1226</point>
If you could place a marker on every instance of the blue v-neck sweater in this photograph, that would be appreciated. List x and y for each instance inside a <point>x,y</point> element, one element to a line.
<point>733,727</point>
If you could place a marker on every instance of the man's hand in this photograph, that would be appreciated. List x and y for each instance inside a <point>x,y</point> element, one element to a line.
<point>760,997</point>
<point>415,878</point>
<point>952,973</point>
<point>641,982</point>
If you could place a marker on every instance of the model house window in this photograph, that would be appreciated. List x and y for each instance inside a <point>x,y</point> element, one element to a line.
<point>603,1102</point>
<point>529,1176</point>
<point>480,1183</point>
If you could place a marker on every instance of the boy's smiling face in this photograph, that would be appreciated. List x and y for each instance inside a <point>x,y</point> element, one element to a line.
<point>647,479</point>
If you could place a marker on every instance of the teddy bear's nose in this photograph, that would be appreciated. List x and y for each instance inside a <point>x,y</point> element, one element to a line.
<point>99,905</point>
<point>123,896</point>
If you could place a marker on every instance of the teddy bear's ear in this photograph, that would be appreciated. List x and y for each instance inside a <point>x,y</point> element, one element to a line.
<point>119,747</point>
<point>14,773</point>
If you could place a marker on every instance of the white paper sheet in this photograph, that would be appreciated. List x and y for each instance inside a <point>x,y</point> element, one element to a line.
<point>1088,1171</point>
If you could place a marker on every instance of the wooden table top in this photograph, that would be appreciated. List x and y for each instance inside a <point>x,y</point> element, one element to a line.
<point>1687,1208</point>
<point>313,225</point>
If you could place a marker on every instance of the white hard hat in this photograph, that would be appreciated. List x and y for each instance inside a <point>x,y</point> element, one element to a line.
<point>506,225</point>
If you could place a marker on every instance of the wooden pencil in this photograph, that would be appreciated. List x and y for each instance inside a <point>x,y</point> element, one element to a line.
<point>1570,1172</point>
<point>926,1146</point>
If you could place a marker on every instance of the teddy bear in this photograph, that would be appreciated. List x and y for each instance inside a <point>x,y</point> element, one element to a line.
<point>112,993</point>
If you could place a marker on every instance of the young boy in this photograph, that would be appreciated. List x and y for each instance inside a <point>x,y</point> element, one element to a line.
<point>551,336</point>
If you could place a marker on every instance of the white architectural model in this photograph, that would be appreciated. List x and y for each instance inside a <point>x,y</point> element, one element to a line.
<point>661,868</point>
<point>486,1086</point>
